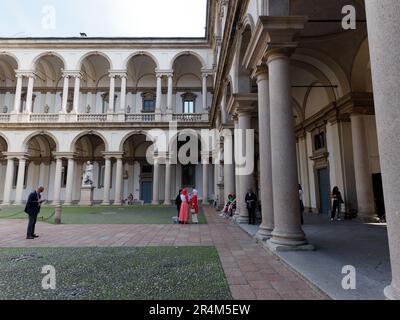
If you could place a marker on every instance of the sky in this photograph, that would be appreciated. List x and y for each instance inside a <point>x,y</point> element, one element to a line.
<point>103,18</point>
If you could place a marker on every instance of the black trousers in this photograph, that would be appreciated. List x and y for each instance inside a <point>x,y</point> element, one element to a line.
<point>335,208</point>
<point>31,225</point>
<point>252,215</point>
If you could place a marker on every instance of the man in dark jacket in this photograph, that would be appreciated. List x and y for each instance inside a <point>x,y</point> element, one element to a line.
<point>178,202</point>
<point>251,204</point>
<point>32,208</point>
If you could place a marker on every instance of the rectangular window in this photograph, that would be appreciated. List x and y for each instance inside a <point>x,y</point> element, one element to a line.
<point>189,176</point>
<point>188,106</point>
<point>148,106</point>
<point>319,141</point>
<point>64,173</point>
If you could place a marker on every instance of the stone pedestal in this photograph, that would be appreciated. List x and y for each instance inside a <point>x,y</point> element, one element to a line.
<point>86,196</point>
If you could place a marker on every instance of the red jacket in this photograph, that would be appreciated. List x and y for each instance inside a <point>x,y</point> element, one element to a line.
<point>193,204</point>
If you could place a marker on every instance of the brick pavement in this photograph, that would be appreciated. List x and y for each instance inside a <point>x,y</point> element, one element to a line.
<point>251,271</point>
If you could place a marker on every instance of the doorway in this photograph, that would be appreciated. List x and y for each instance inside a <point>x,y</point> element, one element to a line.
<point>146,191</point>
<point>324,190</point>
<point>378,194</point>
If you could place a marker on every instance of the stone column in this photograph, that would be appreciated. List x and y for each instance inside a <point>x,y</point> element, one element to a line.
<point>76,93</point>
<point>365,194</point>
<point>111,97</point>
<point>264,132</point>
<point>169,95</point>
<point>383,31</point>
<point>287,231</point>
<point>223,108</point>
<point>29,94</point>
<point>237,180</point>
<point>118,182</point>
<point>18,93</point>
<point>156,179</point>
<point>20,180</point>
<point>65,94</point>
<point>57,182</point>
<point>159,93</point>
<point>8,181</point>
<point>204,85</point>
<point>70,181</point>
<point>229,167</point>
<point>246,181</point>
<point>123,93</point>
<point>167,200</point>
<point>107,182</point>
<point>205,159</point>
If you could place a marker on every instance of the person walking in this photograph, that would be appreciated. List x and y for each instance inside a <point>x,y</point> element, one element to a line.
<point>178,202</point>
<point>194,207</point>
<point>32,208</point>
<point>251,204</point>
<point>184,211</point>
<point>337,200</point>
<point>301,193</point>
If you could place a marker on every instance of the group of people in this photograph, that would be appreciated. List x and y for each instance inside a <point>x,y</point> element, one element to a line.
<point>187,204</point>
<point>251,205</point>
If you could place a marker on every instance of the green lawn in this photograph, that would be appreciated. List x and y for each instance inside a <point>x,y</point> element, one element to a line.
<point>183,273</point>
<point>103,215</point>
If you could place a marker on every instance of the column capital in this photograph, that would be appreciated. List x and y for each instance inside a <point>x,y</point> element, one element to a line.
<point>272,32</point>
<point>25,73</point>
<point>260,72</point>
<point>64,155</point>
<point>71,73</point>
<point>118,73</point>
<point>113,155</point>
<point>16,155</point>
<point>241,104</point>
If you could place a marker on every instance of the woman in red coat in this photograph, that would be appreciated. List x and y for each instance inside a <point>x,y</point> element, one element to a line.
<point>184,211</point>
<point>194,206</point>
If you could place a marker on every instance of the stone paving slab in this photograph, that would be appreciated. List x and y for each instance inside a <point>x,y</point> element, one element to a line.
<point>251,271</point>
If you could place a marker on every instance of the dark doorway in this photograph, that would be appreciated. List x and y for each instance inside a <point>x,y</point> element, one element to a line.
<point>324,190</point>
<point>378,194</point>
<point>147,191</point>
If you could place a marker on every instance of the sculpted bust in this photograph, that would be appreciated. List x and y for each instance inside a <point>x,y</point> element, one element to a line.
<point>88,174</point>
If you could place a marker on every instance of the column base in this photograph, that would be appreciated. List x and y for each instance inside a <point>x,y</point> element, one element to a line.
<point>263,234</point>
<point>117,203</point>
<point>242,219</point>
<point>19,203</point>
<point>155,203</point>
<point>67,204</point>
<point>391,293</point>
<point>367,217</point>
<point>167,202</point>
<point>287,247</point>
<point>105,203</point>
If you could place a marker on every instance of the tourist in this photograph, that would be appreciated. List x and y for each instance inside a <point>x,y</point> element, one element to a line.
<point>232,207</point>
<point>337,200</point>
<point>184,211</point>
<point>225,211</point>
<point>301,204</point>
<point>130,199</point>
<point>194,207</point>
<point>251,204</point>
<point>178,202</point>
<point>32,208</point>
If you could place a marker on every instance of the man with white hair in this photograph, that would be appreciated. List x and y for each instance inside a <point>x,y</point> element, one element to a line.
<point>32,208</point>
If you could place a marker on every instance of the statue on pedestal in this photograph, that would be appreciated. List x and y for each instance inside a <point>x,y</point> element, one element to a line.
<point>87,180</point>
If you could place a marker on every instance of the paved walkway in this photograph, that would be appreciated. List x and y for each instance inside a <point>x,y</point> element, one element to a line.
<point>251,271</point>
<point>364,246</point>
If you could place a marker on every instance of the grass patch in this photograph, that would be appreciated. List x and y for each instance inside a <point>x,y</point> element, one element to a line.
<point>103,215</point>
<point>184,273</point>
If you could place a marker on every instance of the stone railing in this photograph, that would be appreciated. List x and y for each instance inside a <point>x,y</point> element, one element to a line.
<point>102,117</point>
<point>44,117</point>
<point>139,117</point>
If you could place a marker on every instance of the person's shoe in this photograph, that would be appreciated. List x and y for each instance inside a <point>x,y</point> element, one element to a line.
<point>35,236</point>
<point>331,219</point>
<point>338,219</point>
<point>30,238</point>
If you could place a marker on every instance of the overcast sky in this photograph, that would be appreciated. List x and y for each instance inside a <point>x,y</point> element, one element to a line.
<point>103,18</point>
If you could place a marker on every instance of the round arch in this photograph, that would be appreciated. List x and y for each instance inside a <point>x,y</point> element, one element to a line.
<point>12,56</point>
<point>51,54</point>
<point>140,53</point>
<point>185,53</point>
<point>248,21</point>
<point>25,144</point>
<point>131,134</point>
<point>5,139</point>
<point>94,53</point>
<point>89,132</point>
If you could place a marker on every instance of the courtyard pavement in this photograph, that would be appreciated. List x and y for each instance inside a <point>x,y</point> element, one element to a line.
<point>251,271</point>
<point>341,243</point>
